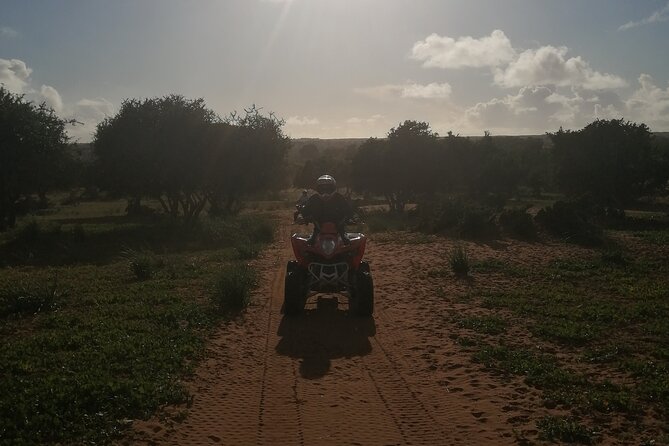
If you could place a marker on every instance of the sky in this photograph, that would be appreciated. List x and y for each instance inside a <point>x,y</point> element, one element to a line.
<point>348,68</point>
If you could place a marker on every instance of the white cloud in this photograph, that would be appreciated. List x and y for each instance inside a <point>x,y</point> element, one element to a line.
<point>446,52</point>
<point>7,32</point>
<point>88,112</point>
<point>301,121</point>
<point>520,110</point>
<point>429,91</point>
<point>15,75</point>
<point>649,104</point>
<point>661,15</point>
<point>369,120</point>
<point>548,65</point>
<point>52,98</point>
<point>408,90</point>
<point>537,109</point>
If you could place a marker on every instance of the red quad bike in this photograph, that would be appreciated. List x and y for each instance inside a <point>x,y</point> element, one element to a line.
<point>329,266</point>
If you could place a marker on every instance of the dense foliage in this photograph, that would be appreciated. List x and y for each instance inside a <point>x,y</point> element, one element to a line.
<point>32,153</point>
<point>611,160</point>
<point>181,153</point>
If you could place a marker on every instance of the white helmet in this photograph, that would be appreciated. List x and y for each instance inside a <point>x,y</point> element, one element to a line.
<point>326,184</point>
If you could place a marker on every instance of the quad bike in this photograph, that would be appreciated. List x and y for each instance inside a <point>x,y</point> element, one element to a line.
<point>329,265</point>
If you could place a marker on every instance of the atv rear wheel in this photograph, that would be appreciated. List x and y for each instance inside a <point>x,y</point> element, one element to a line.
<point>295,292</point>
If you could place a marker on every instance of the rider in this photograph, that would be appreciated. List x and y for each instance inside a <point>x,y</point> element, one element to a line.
<point>327,205</point>
<point>301,202</point>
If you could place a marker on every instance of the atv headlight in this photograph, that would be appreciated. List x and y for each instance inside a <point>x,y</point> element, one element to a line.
<point>328,246</point>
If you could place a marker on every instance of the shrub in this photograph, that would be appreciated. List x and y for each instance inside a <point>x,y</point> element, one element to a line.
<point>29,300</point>
<point>454,216</point>
<point>568,221</point>
<point>246,249</point>
<point>233,288</point>
<point>518,223</point>
<point>141,263</point>
<point>563,429</point>
<point>478,223</point>
<point>459,261</point>
<point>78,233</point>
<point>34,231</point>
<point>383,221</point>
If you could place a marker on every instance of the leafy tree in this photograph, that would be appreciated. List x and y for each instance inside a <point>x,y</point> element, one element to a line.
<point>178,151</point>
<point>611,160</point>
<point>32,152</point>
<point>399,167</point>
<point>246,155</point>
<point>157,148</point>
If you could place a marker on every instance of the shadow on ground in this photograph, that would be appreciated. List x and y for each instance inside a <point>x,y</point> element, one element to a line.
<point>316,336</point>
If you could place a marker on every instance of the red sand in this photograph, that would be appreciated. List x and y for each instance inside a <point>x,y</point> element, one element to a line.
<point>328,378</point>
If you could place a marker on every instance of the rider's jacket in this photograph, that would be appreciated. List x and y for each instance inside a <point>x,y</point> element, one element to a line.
<point>333,208</point>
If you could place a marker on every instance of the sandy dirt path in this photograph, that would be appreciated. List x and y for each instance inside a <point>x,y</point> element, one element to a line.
<point>329,378</point>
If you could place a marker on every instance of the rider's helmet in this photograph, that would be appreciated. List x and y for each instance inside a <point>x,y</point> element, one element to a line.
<point>326,184</point>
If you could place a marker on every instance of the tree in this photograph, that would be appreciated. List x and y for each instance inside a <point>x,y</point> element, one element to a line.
<point>246,155</point>
<point>611,160</point>
<point>157,148</point>
<point>32,152</point>
<point>398,167</point>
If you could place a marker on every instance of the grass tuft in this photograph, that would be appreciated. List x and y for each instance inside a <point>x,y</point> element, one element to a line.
<point>141,263</point>
<point>459,261</point>
<point>233,288</point>
<point>564,429</point>
<point>22,300</point>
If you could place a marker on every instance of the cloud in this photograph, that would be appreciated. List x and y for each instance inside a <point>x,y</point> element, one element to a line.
<point>369,120</point>
<point>88,113</point>
<point>548,65</point>
<point>429,91</point>
<point>536,109</point>
<point>408,90</point>
<point>15,75</point>
<point>52,98</point>
<point>661,15</point>
<point>649,103</point>
<point>446,52</point>
<point>302,121</point>
<point>7,32</point>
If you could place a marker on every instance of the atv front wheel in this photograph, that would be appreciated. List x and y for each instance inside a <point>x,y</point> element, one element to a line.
<point>362,293</point>
<point>295,289</point>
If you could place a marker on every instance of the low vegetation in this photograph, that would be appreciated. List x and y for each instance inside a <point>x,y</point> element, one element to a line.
<point>99,333</point>
<point>588,331</point>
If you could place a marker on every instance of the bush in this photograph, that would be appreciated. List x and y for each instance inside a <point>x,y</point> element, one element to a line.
<point>567,220</point>
<point>518,223</point>
<point>233,288</point>
<point>141,263</point>
<point>29,300</point>
<point>246,249</point>
<point>78,233</point>
<point>384,221</point>
<point>33,232</point>
<point>454,216</point>
<point>459,261</point>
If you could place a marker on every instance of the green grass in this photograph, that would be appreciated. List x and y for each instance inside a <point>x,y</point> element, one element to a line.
<point>458,260</point>
<point>233,288</point>
<point>491,325</point>
<point>85,346</point>
<point>564,429</point>
<point>560,385</point>
<point>609,309</point>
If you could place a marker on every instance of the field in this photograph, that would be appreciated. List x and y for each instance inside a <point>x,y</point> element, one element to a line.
<point>130,331</point>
